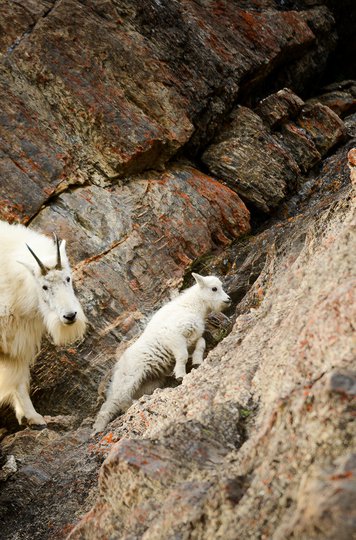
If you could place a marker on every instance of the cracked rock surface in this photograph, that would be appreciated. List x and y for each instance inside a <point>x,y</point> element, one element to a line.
<point>158,138</point>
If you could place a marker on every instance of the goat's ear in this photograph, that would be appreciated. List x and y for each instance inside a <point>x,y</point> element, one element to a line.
<point>199,279</point>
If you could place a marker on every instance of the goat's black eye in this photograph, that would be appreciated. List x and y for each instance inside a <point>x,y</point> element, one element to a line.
<point>68,279</point>
<point>214,289</point>
<point>45,288</point>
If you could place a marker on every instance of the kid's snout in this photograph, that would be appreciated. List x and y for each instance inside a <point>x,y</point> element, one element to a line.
<point>227,301</point>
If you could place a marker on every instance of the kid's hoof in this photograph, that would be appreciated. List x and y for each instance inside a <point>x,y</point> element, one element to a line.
<point>179,379</point>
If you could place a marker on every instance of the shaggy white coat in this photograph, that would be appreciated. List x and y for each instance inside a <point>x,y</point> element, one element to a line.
<point>172,333</point>
<point>32,304</point>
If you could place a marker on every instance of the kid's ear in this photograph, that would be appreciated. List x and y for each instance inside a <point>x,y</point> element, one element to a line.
<point>199,279</point>
<point>62,250</point>
<point>62,247</point>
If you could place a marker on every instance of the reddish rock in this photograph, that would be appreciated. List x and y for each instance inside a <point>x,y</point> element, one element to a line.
<point>191,448</point>
<point>32,163</point>
<point>323,126</point>
<point>251,160</point>
<point>351,156</point>
<point>134,243</point>
<point>265,161</point>
<point>94,91</point>
<point>280,111</point>
<point>162,212</point>
<point>300,146</point>
<point>286,367</point>
<point>339,97</point>
<point>307,131</point>
<point>97,98</point>
<point>279,107</point>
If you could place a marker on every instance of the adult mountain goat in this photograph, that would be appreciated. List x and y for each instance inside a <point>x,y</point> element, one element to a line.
<point>36,296</point>
<point>174,331</point>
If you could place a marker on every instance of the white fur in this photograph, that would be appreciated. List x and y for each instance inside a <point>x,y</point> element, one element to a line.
<point>27,311</point>
<point>175,330</point>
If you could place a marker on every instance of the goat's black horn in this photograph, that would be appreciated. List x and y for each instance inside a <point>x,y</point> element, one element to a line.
<point>59,262</point>
<point>40,263</point>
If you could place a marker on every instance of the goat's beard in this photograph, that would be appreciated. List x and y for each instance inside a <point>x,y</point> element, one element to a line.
<point>65,334</point>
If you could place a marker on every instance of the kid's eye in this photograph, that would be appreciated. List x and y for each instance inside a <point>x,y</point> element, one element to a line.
<point>214,289</point>
<point>68,279</point>
<point>45,288</point>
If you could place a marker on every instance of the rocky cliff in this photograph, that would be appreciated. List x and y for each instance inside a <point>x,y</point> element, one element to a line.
<point>158,138</point>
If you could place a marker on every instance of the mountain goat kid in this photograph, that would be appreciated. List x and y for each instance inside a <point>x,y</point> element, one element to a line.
<point>174,330</point>
<point>36,296</point>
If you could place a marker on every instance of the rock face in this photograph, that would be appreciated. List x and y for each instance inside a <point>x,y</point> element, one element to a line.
<point>263,155</point>
<point>95,90</point>
<point>281,384</point>
<point>139,131</point>
<point>134,243</point>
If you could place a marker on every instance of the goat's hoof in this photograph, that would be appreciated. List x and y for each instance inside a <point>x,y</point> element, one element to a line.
<point>37,427</point>
<point>179,379</point>
<point>37,422</point>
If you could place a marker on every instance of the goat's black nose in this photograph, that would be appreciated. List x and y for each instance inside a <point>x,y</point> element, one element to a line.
<point>228,301</point>
<point>70,317</point>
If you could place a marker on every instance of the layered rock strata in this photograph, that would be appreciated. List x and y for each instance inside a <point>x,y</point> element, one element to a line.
<point>110,112</point>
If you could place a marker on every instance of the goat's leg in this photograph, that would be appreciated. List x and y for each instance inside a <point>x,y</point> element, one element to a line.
<point>180,353</point>
<point>24,407</point>
<point>198,353</point>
